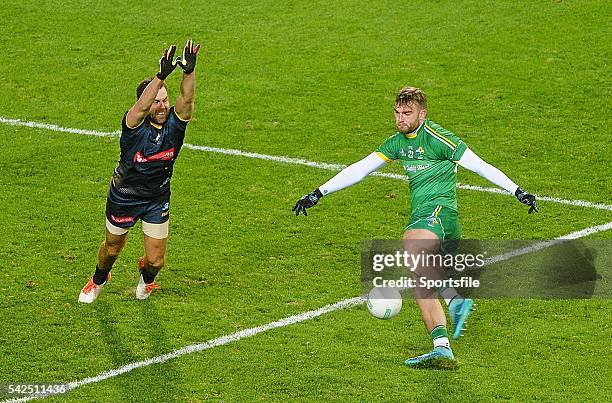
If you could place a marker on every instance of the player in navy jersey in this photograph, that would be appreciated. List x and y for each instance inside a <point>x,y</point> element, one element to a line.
<point>151,140</point>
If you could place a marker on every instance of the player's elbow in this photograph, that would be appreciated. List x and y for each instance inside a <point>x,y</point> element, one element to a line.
<point>185,113</point>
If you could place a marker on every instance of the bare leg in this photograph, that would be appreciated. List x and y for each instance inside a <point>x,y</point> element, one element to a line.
<point>424,242</point>
<point>155,254</point>
<point>110,249</point>
<point>107,255</point>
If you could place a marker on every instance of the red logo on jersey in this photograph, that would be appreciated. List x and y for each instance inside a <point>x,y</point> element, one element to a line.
<point>122,220</point>
<point>162,156</point>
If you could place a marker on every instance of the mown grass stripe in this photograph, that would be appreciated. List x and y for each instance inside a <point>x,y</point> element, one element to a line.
<point>294,161</point>
<point>344,304</point>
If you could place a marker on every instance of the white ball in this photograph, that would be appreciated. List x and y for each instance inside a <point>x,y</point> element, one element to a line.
<point>384,302</point>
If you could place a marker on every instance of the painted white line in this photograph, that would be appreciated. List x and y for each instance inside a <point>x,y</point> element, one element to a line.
<point>347,303</point>
<point>55,128</point>
<point>294,161</point>
<point>545,244</point>
<point>578,203</point>
<point>193,348</point>
<point>266,157</point>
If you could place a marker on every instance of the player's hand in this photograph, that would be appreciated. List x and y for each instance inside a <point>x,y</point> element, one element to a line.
<point>188,60</point>
<point>528,199</point>
<point>167,64</point>
<point>307,201</point>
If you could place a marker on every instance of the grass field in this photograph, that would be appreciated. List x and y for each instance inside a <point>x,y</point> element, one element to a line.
<point>525,84</point>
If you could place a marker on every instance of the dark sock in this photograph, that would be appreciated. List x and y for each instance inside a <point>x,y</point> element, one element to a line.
<point>148,277</point>
<point>100,276</point>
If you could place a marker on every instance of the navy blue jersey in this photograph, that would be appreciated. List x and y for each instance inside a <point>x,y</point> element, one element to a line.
<point>147,158</point>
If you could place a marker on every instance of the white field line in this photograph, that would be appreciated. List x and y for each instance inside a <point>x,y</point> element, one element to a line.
<point>294,161</point>
<point>545,244</point>
<point>347,303</point>
<point>193,348</point>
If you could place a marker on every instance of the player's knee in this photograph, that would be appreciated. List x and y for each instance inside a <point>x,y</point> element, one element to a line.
<point>421,241</point>
<point>113,250</point>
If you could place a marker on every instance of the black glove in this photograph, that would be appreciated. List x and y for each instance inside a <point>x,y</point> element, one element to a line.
<point>307,201</point>
<point>167,64</point>
<point>188,60</point>
<point>528,199</point>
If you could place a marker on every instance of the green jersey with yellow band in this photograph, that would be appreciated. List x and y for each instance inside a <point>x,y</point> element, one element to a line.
<point>428,157</point>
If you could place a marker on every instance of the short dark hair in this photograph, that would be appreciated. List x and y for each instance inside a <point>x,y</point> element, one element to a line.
<point>143,84</point>
<point>408,95</point>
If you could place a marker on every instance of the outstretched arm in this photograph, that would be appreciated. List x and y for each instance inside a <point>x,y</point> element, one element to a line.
<point>347,177</point>
<point>185,102</point>
<point>141,108</point>
<point>474,163</point>
<point>353,174</point>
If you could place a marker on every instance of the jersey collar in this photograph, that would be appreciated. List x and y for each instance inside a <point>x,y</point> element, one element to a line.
<point>414,133</point>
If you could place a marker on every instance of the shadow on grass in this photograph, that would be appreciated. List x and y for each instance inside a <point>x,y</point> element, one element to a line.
<point>161,381</point>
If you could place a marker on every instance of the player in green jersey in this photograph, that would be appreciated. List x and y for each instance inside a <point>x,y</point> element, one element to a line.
<point>429,155</point>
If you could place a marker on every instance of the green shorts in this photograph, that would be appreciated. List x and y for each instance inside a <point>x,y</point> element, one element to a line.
<point>442,221</point>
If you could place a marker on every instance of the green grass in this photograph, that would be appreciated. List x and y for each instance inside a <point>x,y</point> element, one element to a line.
<point>525,84</point>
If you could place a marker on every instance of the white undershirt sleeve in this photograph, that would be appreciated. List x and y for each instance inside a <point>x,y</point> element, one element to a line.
<point>353,174</point>
<point>474,163</point>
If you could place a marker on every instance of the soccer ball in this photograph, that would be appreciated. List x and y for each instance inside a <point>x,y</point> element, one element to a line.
<point>384,302</point>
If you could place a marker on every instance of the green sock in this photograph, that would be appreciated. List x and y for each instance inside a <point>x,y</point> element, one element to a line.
<point>439,336</point>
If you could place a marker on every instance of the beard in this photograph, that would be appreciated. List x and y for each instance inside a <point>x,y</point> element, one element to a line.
<point>408,127</point>
<point>159,119</point>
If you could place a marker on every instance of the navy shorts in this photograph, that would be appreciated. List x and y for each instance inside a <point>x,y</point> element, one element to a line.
<point>125,213</point>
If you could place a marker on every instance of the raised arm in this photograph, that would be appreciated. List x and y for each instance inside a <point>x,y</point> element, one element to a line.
<point>349,176</point>
<point>141,108</point>
<point>474,163</point>
<point>186,100</point>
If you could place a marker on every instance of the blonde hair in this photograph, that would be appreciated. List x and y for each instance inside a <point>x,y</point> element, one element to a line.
<point>408,95</point>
